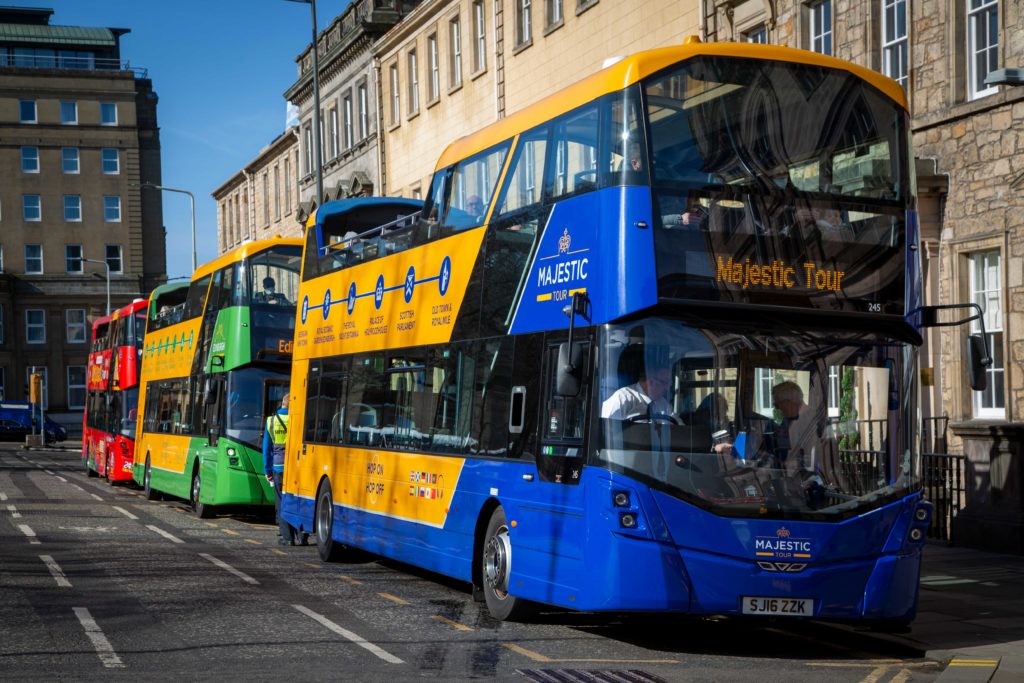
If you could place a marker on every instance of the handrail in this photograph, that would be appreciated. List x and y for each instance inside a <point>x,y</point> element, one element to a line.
<point>400,222</point>
<point>70,63</point>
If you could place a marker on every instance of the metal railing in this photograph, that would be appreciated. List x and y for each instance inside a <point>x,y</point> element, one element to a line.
<point>944,486</point>
<point>74,63</point>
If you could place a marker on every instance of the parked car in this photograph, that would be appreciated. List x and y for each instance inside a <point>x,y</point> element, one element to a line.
<point>17,420</point>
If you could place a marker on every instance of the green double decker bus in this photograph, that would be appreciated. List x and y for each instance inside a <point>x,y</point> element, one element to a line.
<point>215,364</point>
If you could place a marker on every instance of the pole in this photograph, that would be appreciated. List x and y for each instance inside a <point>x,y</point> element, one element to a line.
<point>318,153</point>
<point>192,204</point>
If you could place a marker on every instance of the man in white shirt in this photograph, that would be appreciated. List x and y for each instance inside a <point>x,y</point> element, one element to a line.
<point>646,397</point>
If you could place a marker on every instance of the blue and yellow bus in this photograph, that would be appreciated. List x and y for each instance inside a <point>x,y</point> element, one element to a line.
<point>646,347</point>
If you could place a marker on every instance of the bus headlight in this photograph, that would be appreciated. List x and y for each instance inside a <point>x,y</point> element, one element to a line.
<point>627,520</point>
<point>916,534</point>
<point>620,499</point>
<point>232,456</point>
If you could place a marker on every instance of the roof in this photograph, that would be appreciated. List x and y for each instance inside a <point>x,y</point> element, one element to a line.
<point>636,67</point>
<point>338,207</point>
<point>244,251</point>
<point>59,35</point>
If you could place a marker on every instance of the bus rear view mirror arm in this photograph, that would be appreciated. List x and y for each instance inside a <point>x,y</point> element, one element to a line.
<point>979,359</point>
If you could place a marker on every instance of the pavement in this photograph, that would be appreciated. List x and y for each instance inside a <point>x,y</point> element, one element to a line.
<point>971,614</point>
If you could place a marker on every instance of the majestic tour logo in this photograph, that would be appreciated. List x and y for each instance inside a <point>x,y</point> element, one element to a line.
<point>567,276</point>
<point>782,545</point>
<point>778,275</point>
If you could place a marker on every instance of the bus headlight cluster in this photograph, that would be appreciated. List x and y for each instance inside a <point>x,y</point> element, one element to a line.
<point>232,456</point>
<point>620,499</point>
<point>628,520</point>
<point>920,522</point>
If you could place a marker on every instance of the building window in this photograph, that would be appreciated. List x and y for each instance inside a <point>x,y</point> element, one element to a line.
<point>73,258</point>
<point>35,326</point>
<point>821,27</point>
<point>27,110</point>
<point>33,259</point>
<point>987,291</point>
<point>309,149</point>
<point>277,193</point>
<point>364,112</point>
<point>30,160</point>
<point>455,54</point>
<point>334,132</point>
<point>553,13</point>
<point>894,40</point>
<point>108,113</point>
<point>414,84</point>
<point>758,35</point>
<point>69,161</point>
<point>111,161</point>
<point>69,113</point>
<point>41,370</point>
<point>76,387</point>
<point>834,390</point>
<point>348,122</point>
<point>266,199</point>
<point>479,37</point>
<point>287,186</point>
<point>73,208</point>
<point>764,380</point>
<point>74,319</point>
<point>31,207</point>
<point>524,25</point>
<point>982,45</point>
<point>114,260</point>
<point>112,209</point>
<point>396,105</point>
<point>435,75</point>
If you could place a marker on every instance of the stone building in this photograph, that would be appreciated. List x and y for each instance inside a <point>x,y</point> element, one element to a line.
<point>78,134</point>
<point>348,102</point>
<point>968,140</point>
<point>262,199</point>
<point>454,66</point>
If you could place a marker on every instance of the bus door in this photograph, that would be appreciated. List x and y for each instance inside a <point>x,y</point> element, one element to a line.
<point>274,391</point>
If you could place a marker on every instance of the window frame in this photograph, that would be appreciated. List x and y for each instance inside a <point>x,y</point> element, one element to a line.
<point>68,113</point>
<point>21,112</point>
<point>72,208</point>
<point>479,37</point>
<point>396,95</point>
<point>817,19</point>
<point>524,24</point>
<point>454,53</point>
<point>76,387</point>
<point>25,205</point>
<point>68,258</point>
<point>433,69</point>
<point>40,257</point>
<point>40,326</point>
<point>412,66</point>
<point>364,110</point>
<point>994,334</point>
<point>988,8</point>
<point>120,258</point>
<point>116,161</point>
<point>104,108</point>
<point>69,325</point>
<point>29,158</point>
<point>65,161</point>
<point>892,47</point>
<point>107,208</point>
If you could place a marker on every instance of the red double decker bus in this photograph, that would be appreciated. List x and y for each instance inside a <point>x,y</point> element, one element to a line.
<point>108,434</point>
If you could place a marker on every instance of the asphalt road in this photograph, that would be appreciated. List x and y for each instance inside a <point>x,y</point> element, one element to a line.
<point>95,581</point>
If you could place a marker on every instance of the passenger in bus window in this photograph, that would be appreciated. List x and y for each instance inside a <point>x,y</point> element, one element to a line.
<point>475,207</point>
<point>270,294</point>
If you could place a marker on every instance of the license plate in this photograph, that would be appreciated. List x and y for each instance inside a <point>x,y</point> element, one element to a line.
<point>786,607</point>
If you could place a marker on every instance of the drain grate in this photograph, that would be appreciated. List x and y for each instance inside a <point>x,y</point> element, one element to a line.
<point>588,676</point>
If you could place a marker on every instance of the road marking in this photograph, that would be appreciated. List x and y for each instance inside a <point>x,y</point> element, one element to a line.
<point>279,552</point>
<point>14,512</point>
<point>3,496</point>
<point>60,478</point>
<point>78,487</point>
<point>99,641</point>
<point>346,579</point>
<point>50,472</point>
<point>453,624</point>
<point>310,564</point>
<point>124,512</point>
<point>902,677</point>
<point>974,662</point>
<point>210,524</point>
<point>345,633</point>
<point>875,675</point>
<point>27,530</point>
<point>538,657</point>
<point>58,573</point>
<point>249,540</point>
<point>165,534</point>
<point>393,598</point>
<point>229,531</point>
<point>227,567</point>
<point>872,663</point>
<point>95,496</point>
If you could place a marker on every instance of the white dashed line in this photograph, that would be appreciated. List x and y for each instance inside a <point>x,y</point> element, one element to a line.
<point>61,478</point>
<point>345,633</point>
<point>27,530</point>
<point>50,472</point>
<point>124,512</point>
<point>78,487</point>
<point>95,496</point>
<point>165,534</point>
<point>99,641</point>
<point>14,512</point>
<point>227,567</point>
<point>3,496</point>
<point>58,573</point>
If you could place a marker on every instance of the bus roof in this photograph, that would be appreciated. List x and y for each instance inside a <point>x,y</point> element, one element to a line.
<point>239,253</point>
<point>338,207</point>
<point>136,305</point>
<point>632,69</point>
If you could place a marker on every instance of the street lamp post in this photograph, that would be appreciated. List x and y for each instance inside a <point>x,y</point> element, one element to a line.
<point>192,202</point>
<point>317,152</point>
<point>107,266</point>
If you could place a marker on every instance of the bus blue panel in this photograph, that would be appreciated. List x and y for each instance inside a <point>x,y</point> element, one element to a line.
<point>573,253</point>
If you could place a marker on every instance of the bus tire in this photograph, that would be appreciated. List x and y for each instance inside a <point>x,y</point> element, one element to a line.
<point>495,567</point>
<point>147,488</point>
<point>329,549</point>
<point>202,510</point>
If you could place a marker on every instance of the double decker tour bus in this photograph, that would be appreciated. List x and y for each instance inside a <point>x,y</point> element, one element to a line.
<point>108,444</point>
<point>648,348</point>
<point>215,365</point>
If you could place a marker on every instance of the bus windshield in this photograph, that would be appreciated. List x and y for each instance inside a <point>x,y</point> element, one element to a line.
<point>762,426</point>
<point>270,286</point>
<point>783,164</point>
<point>247,389</point>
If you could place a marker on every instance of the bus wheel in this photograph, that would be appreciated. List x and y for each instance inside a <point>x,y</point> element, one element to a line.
<point>150,492</point>
<point>329,549</point>
<point>496,565</point>
<point>202,510</point>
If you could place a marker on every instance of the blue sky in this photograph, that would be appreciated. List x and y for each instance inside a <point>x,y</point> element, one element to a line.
<point>220,68</point>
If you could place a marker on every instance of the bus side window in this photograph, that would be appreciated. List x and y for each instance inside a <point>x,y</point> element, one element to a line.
<point>575,142</point>
<point>193,307</point>
<point>523,187</point>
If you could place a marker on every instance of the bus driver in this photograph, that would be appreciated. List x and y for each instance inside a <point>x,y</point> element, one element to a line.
<point>646,397</point>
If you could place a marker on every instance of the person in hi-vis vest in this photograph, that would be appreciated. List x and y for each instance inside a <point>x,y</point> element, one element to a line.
<point>275,434</point>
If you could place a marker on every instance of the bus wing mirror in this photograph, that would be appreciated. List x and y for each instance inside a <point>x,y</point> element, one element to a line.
<point>517,414</point>
<point>978,360</point>
<point>567,381</point>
